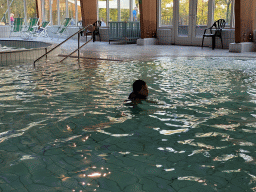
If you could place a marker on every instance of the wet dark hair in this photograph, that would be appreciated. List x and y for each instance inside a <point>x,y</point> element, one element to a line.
<point>137,85</point>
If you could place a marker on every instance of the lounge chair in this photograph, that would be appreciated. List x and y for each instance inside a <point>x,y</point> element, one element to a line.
<point>29,30</point>
<point>42,32</point>
<point>17,26</point>
<point>219,25</point>
<point>63,28</point>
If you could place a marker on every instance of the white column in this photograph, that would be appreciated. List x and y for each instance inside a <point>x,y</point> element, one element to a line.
<point>118,10</point>
<point>76,10</point>
<point>58,11</point>
<point>50,3</point>
<point>25,12</point>
<point>67,14</point>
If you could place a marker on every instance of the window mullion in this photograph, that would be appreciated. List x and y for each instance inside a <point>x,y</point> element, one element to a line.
<point>232,19</point>
<point>107,6</point>
<point>76,11</point>
<point>210,12</point>
<point>58,10</point>
<point>67,13</point>
<point>50,4</point>
<point>25,11</point>
<point>118,10</point>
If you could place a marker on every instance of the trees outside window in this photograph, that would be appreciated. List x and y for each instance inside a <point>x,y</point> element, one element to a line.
<point>47,10</point>
<point>17,8</point>
<point>113,11</point>
<point>3,11</point>
<point>166,12</point>
<point>54,13</point>
<point>31,8</point>
<point>72,11</point>
<point>62,10</point>
<point>125,10</point>
<point>102,12</point>
<point>222,10</point>
<point>202,12</point>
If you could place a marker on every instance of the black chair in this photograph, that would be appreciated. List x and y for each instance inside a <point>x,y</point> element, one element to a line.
<point>219,25</point>
<point>95,31</point>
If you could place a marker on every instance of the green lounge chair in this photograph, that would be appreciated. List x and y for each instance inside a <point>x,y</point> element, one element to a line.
<point>63,28</point>
<point>17,26</point>
<point>29,30</point>
<point>42,32</point>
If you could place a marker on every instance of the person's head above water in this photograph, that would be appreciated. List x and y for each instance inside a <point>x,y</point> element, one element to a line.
<point>140,90</point>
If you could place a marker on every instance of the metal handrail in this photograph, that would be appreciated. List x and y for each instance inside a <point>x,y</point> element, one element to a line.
<point>76,50</point>
<point>81,30</point>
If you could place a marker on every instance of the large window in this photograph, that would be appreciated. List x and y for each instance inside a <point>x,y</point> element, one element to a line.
<point>31,8</point>
<point>47,10</point>
<point>17,8</point>
<point>113,11</point>
<point>102,12</point>
<point>202,17</point>
<point>136,4</point>
<point>118,10</point>
<point>125,10</point>
<point>62,10</point>
<point>54,13</point>
<point>166,12</point>
<point>3,12</point>
<point>72,11</point>
<point>79,14</point>
<point>222,10</point>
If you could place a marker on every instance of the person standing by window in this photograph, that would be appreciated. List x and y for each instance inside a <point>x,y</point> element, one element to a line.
<point>12,18</point>
<point>134,13</point>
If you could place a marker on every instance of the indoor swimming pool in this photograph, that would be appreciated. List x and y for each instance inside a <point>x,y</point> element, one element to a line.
<point>65,127</point>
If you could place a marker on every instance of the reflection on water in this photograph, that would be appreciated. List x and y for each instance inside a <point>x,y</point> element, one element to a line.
<point>65,126</point>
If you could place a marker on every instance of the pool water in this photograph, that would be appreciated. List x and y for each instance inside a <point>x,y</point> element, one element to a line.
<point>64,127</point>
<point>6,49</point>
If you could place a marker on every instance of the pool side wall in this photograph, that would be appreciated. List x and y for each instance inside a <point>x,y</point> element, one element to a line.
<point>33,51</point>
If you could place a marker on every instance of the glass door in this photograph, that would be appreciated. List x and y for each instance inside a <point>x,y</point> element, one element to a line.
<point>191,20</point>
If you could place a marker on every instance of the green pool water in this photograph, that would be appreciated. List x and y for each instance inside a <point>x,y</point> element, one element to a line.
<point>64,127</point>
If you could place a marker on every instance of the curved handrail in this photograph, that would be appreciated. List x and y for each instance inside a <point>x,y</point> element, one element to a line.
<point>81,30</point>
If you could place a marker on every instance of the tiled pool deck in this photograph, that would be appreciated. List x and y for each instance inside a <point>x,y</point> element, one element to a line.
<point>119,51</point>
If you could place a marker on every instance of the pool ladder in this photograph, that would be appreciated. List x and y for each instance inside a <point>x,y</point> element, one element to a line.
<point>78,42</point>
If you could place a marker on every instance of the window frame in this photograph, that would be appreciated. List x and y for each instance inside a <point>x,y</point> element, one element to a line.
<point>211,5</point>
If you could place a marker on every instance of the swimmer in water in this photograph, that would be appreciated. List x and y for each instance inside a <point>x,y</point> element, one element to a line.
<point>139,93</point>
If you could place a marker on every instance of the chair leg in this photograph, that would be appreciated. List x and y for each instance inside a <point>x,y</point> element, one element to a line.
<point>221,42</point>
<point>203,42</point>
<point>100,37</point>
<point>93,36</point>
